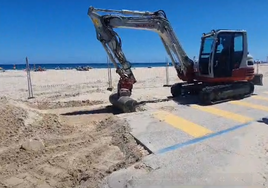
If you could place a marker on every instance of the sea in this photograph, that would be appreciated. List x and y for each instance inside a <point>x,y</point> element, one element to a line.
<point>76,65</point>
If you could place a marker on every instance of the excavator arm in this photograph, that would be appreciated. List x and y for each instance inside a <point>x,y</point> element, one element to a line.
<point>152,21</point>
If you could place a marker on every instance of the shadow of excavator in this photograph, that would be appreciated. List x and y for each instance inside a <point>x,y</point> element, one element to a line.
<point>115,111</point>
<point>182,100</point>
<point>194,99</point>
<point>104,110</point>
<point>263,120</point>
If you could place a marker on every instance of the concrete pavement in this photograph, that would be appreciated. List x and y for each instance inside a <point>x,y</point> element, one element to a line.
<point>219,145</point>
<point>236,159</point>
<point>167,124</point>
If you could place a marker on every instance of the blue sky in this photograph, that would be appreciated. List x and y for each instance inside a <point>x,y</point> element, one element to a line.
<point>59,31</point>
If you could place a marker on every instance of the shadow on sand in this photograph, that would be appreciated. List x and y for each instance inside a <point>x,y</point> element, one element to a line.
<point>182,100</point>
<point>105,110</point>
<point>115,111</point>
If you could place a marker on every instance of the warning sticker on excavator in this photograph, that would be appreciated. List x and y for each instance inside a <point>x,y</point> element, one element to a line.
<point>96,22</point>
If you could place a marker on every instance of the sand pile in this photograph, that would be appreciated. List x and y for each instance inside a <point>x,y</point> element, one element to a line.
<point>48,150</point>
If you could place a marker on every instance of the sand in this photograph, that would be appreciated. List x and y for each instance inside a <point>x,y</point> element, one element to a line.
<point>67,135</point>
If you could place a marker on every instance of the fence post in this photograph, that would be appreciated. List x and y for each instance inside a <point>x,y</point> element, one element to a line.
<point>29,81</point>
<point>167,75</point>
<point>110,82</point>
<point>258,64</point>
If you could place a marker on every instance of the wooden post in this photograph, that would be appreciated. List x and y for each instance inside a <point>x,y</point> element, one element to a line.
<point>30,88</point>
<point>258,63</point>
<point>167,75</point>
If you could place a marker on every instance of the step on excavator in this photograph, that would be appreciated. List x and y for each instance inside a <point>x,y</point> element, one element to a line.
<point>224,70</point>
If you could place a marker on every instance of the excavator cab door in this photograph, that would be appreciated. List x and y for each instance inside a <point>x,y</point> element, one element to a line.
<point>206,56</point>
<point>224,53</point>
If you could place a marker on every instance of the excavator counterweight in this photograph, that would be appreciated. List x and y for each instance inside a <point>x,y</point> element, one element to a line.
<point>225,70</point>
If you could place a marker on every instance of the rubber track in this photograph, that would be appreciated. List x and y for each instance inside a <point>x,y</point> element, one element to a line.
<point>222,93</point>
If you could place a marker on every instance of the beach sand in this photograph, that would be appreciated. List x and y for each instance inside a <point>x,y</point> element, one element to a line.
<point>66,136</point>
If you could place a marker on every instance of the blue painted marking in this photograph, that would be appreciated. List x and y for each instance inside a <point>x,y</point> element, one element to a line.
<point>196,140</point>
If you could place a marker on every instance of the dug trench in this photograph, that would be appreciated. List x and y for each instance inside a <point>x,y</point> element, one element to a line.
<point>50,150</point>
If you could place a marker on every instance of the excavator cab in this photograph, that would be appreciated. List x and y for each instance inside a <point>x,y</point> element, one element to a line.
<point>221,52</point>
<point>224,56</point>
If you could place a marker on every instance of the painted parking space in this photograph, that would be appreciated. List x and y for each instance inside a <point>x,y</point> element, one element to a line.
<point>171,124</point>
<point>223,113</point>
<point>255,107</point>
<point>193,129</point>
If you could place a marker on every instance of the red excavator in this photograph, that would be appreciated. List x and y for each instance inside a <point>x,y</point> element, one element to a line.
<point>225,70</point>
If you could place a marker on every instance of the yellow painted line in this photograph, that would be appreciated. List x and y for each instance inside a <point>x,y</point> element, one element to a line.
<point>223,113</point>
<point>245,104</point>
<point>260,98</point>
<point>190,128</point>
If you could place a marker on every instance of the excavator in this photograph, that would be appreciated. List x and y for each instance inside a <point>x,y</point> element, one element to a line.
<point>224,71</point>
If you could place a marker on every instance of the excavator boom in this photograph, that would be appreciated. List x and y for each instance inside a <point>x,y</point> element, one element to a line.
<point>142,20</point>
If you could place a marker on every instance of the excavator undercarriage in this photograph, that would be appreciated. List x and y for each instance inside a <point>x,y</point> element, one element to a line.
<point>213,93</point>
<point>210,88</point>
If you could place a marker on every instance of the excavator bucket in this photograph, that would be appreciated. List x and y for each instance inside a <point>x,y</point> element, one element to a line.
<point>124,103</point>
<point>257,80</point>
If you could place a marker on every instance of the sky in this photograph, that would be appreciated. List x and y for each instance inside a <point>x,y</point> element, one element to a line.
<point>60,31</point>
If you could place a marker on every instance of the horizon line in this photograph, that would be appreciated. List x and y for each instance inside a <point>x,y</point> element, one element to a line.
<point>71,63</point>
